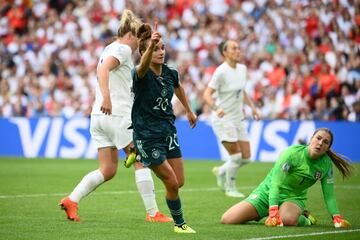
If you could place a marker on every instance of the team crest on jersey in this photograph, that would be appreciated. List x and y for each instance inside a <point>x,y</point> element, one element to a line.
<point>285,167</point>
<point>317,175</point>
<point>155,154</point>
<point>163,92</point>
<point>254,196</point>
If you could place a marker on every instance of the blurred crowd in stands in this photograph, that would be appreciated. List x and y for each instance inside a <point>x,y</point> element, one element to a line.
<point>303,56</point>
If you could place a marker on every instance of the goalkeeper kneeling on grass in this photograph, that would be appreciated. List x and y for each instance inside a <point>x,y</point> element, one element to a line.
<point>282,194</point>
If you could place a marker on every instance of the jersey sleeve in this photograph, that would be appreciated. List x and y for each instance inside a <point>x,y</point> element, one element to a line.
<point>134,75</point>
<point>215,80</point>
<point>121,53</point>
<point>175,74</point>
<point>327,185</point>
<point>283,166</point>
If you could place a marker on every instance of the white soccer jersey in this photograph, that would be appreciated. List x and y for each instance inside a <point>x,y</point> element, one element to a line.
<point>229,84</point>
<point>120,81</point>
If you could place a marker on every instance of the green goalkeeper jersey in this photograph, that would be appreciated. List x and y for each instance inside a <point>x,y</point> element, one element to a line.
<point>295,172</point>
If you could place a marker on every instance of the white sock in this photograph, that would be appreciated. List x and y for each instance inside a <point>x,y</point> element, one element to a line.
<point>88,184</point>
<point>145,185</point>
<point>232,169</point>
<point>224,167</point>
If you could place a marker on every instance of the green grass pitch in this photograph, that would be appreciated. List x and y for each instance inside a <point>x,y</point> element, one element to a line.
<point>30,190</point>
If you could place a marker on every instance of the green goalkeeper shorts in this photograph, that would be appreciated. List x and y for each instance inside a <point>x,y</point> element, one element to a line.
<point>260,201</point>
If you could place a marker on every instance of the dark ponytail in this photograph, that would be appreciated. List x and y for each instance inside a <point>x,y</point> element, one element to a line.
<point>344,166</point>
<point>143,34</point>
<point>222,47</point>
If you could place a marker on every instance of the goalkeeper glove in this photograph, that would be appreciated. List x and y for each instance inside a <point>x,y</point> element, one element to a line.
<point>339,222</point>
<point>274,219</point>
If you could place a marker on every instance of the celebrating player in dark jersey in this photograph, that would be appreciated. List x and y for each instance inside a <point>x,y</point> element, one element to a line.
<point>155,135</point>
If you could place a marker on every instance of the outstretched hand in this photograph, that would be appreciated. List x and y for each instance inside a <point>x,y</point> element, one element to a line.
<point>192,119</point>
<point>274,219</point>
<point>155,36</point>
<point>339,222</point>
<point>106,106</point>
<point>220,112</point>
<point>256,115</point>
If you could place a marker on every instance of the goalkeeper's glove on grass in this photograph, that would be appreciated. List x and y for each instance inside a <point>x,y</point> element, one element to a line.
<point>339,222</point>
<point>274,219</point>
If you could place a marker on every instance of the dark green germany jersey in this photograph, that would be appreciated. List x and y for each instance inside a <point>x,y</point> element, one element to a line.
<point>295,172</point>
<point>152,113</point>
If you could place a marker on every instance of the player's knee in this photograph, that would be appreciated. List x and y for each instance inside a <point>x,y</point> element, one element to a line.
<point>227,219</point>
<point>172,185</point>
<point>224,219</point>
<point>289,220</point>
<point>180,184</point>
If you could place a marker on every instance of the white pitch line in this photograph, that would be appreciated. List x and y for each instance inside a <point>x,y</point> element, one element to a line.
<point>133,192</point>
<point>306,234</point>
<point>112,192</point>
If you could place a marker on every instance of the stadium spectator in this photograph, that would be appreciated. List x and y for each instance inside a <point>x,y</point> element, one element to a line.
<point>153,120</point>
<point>228,83</point>
<point>354,115</point>
<point>110,119</point>
<point>282,195</point>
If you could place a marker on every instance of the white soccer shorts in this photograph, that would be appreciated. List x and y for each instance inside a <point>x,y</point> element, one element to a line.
<point>230,131</point>
<point>110,131</point>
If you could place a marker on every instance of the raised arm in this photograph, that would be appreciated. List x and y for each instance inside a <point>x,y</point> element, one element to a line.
<point>103,77</point>
<point>145,60</point>
<point>180,94</point>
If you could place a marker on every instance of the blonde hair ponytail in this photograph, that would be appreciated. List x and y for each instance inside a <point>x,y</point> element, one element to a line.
<point>128,23</point>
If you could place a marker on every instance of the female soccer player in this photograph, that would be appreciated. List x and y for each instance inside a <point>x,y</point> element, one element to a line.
<point>228,82</point>
<point>282,194</point>
<point>155,135</point>
<point>110,119</point>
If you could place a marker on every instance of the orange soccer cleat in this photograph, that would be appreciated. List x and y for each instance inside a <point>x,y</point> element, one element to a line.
<point>159,217</point>
<point>71,209</point>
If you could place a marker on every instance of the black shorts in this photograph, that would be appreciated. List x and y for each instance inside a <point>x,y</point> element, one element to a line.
<point>157,150</point>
